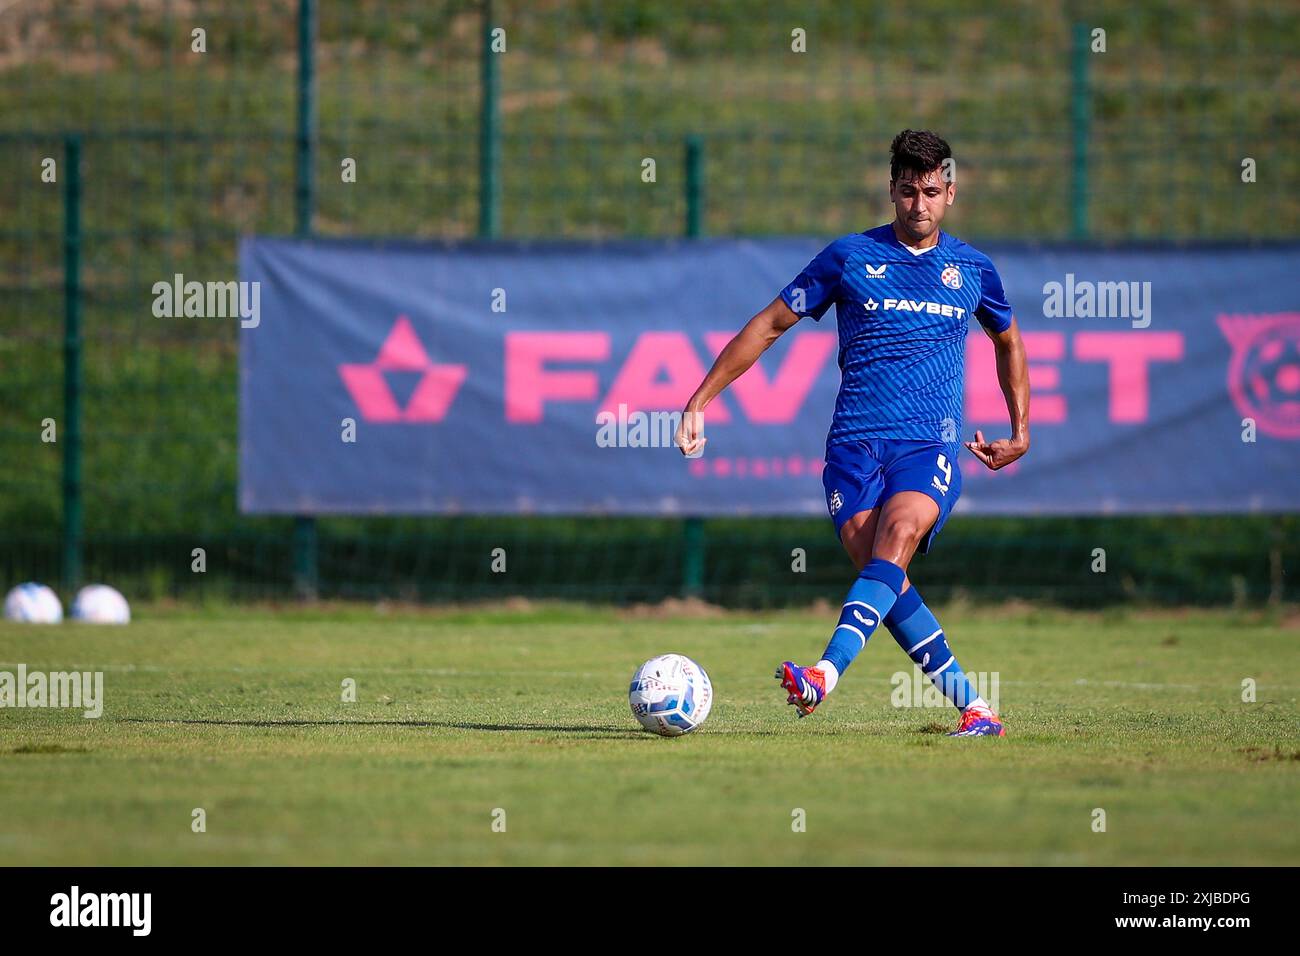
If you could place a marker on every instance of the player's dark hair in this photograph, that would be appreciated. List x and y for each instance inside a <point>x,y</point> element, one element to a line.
<point>917,151</point>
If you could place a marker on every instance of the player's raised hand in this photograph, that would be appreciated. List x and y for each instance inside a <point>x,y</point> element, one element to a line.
<point>690,434</point>
<point>997,454</point>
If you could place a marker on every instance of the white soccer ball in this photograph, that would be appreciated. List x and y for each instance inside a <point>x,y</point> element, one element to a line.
<point>33,603</point>
<point>670,695</point>
<point>100,604</point>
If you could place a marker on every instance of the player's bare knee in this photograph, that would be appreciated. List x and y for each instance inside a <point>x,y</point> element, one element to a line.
<point>904,529</point>
<point>899,535</point>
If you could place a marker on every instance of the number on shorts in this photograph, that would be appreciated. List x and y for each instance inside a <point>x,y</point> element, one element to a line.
<point>945,467</point>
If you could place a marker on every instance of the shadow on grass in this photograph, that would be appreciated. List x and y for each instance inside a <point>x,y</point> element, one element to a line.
<point>47,749</point>
<point>594,730</point>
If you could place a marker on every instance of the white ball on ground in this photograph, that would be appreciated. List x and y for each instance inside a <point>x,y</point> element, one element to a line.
<point>100,604</point>
<point>33,603</point>
<point>670,695</point>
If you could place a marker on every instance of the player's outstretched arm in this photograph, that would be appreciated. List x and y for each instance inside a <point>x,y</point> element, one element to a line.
<point>734,360</point>
<point>1013,376</point>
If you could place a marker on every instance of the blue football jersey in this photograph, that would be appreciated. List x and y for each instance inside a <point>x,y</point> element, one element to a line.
<point>903,320</point>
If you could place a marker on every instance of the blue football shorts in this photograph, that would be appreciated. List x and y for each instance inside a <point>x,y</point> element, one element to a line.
<point>862,475</point>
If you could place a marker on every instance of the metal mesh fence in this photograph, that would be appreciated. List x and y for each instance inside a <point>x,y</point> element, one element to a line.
<point>185,151</point>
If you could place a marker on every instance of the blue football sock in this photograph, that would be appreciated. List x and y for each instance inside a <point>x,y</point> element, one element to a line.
<point>917,632</point>
<point>869,600</point>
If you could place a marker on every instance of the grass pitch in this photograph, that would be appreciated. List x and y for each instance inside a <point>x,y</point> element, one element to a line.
<point>460,714</point>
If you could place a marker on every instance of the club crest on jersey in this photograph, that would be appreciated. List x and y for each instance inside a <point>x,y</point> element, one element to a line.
<point>951,277</point>
<point>836,502</point>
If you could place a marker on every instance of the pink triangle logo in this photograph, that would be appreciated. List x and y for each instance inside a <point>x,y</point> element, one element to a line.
<point>402,351</point>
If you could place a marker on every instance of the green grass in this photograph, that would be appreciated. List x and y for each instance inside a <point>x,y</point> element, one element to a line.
<point>239,712</point>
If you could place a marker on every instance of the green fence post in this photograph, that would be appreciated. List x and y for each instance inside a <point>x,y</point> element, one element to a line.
<point>72,539</point>
<point>1276,571</point>
<point>693,538</point>
<point>306,562</point>
<point>1080,120</point>
<point>693,543</point>
<point>694,187</point>
<point>305,577</point>
<point>304,199</point>
<point>489,152</point>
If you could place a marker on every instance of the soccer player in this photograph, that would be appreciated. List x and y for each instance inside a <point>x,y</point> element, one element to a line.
<point>904,294</point>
